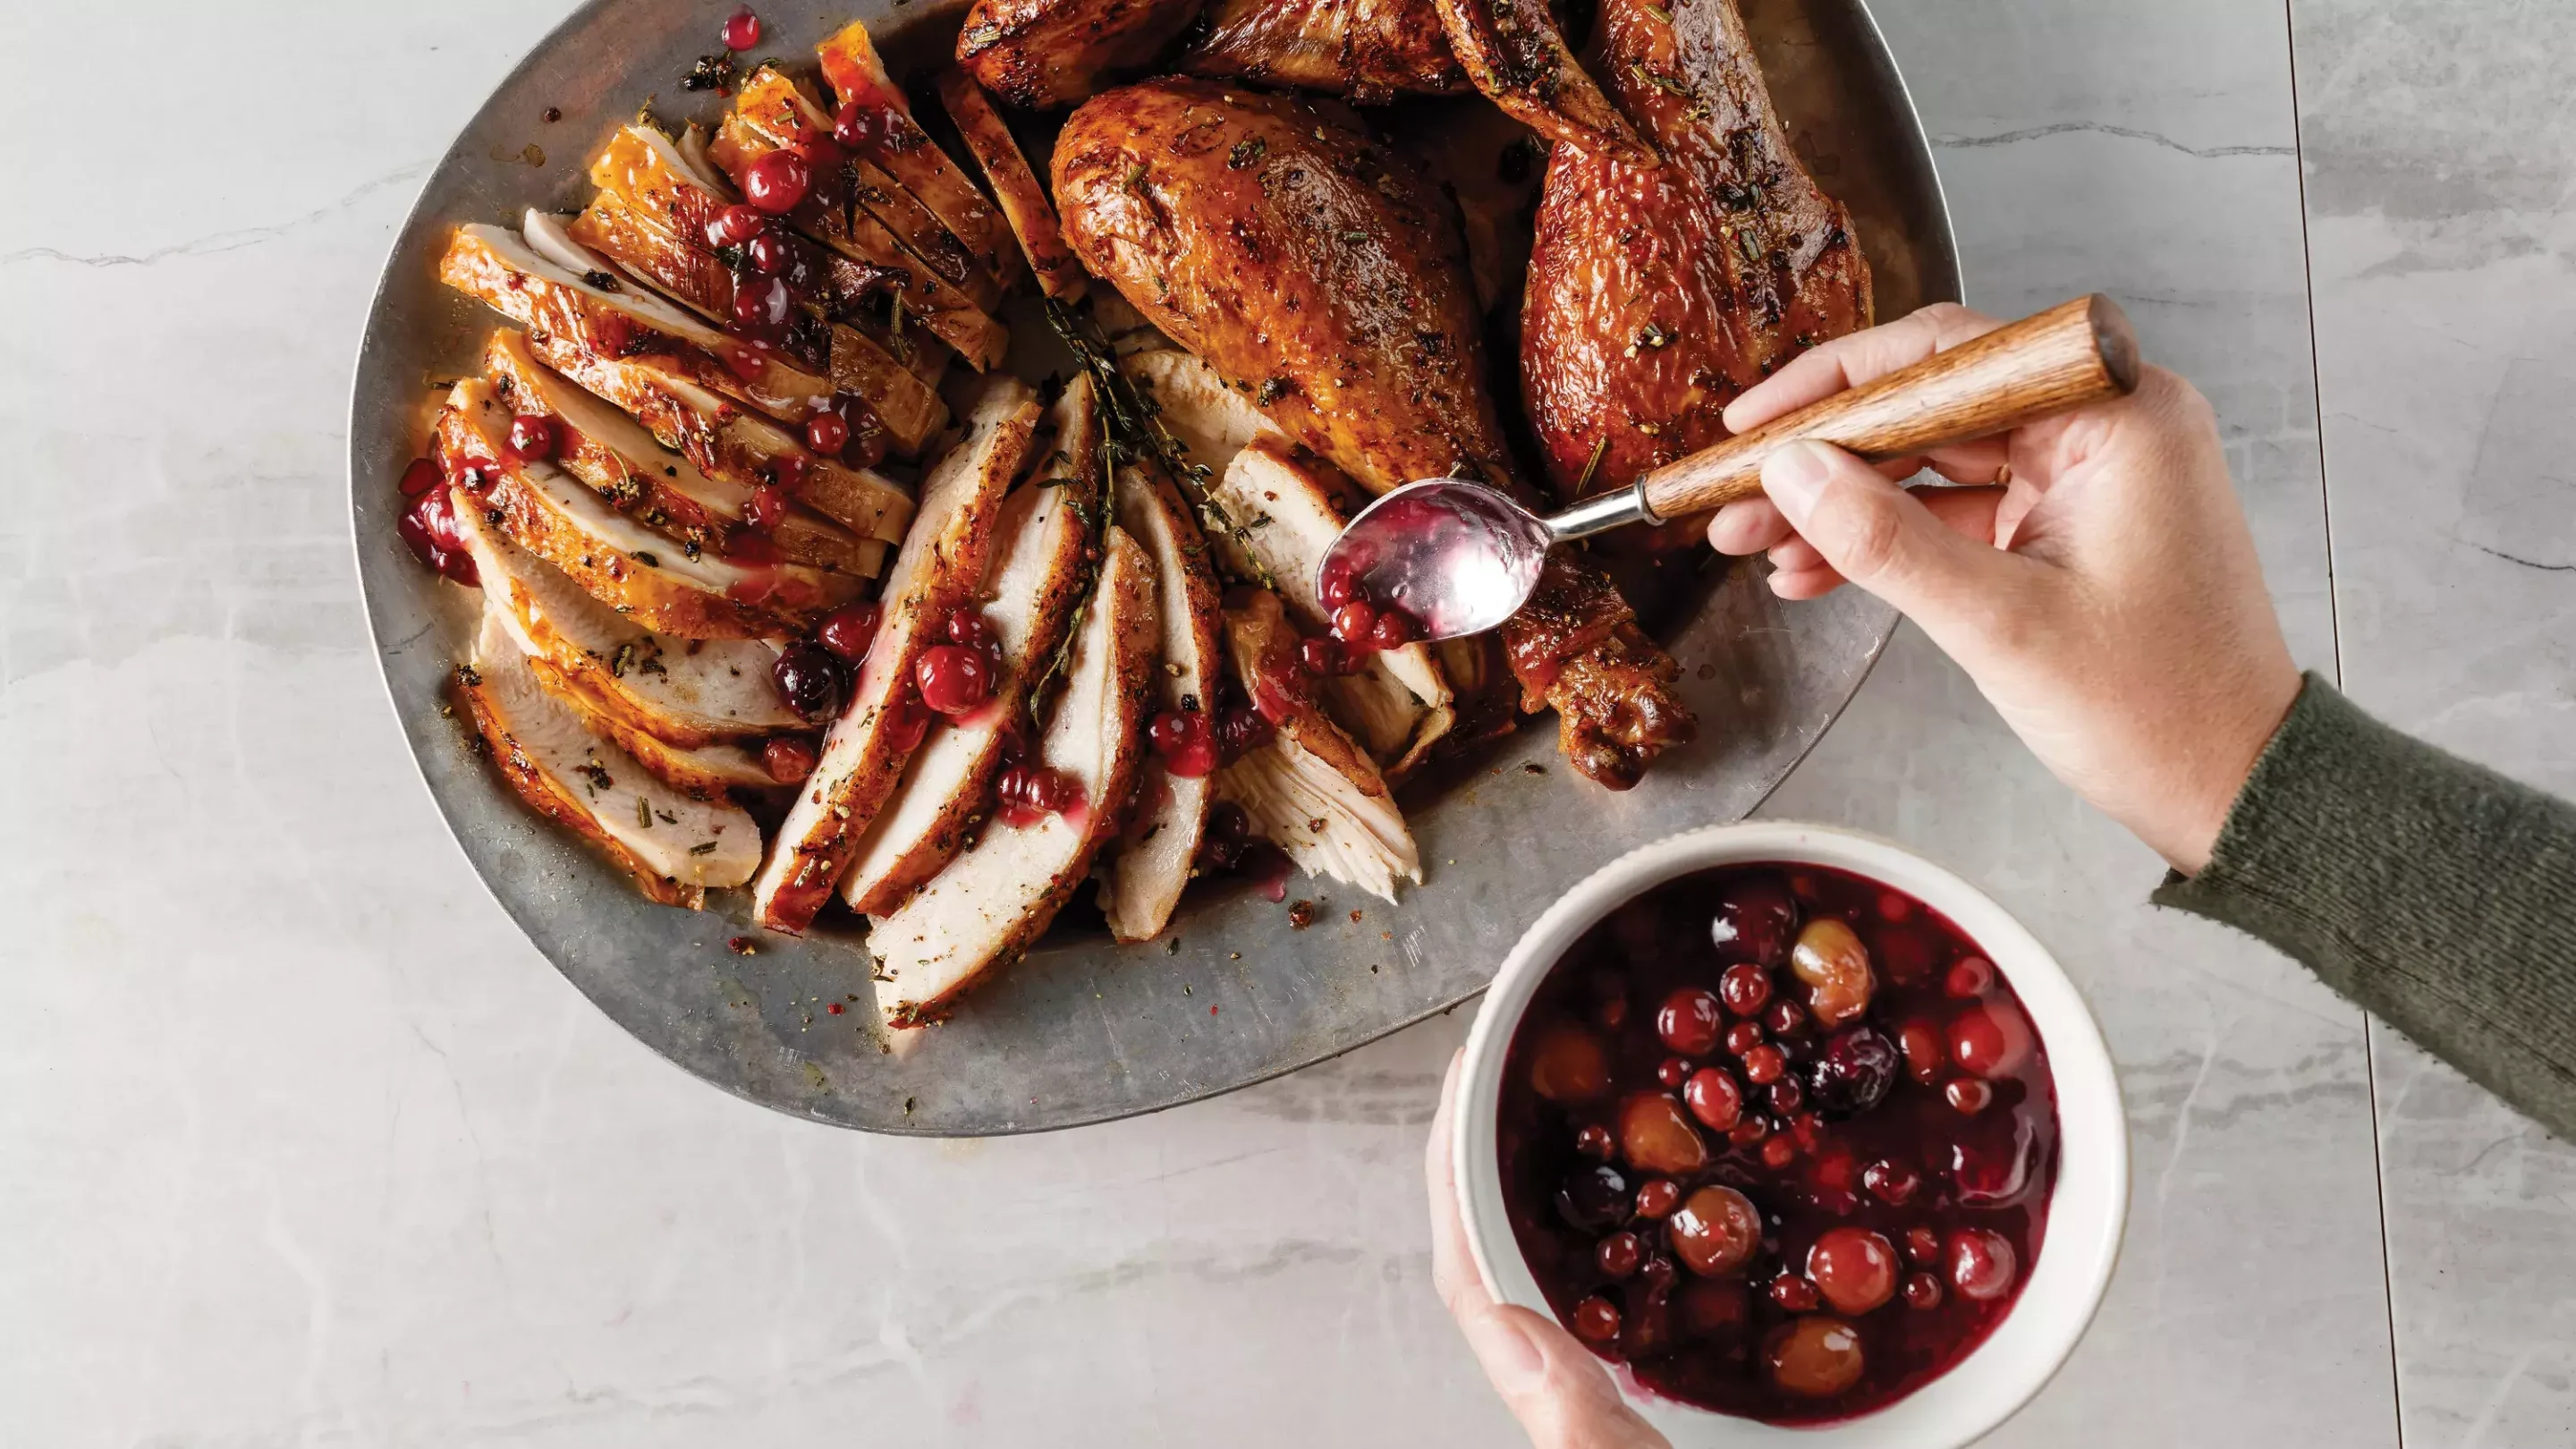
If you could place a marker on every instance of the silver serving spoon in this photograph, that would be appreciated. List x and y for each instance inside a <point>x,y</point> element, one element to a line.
<point>1461,557</point>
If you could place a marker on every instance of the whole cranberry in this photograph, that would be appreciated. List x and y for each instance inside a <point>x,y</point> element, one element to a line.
<point>1755,921</point>
<point>1787,1096</point>
<point>533,437</point>
<point>1794,1293</point>
<point>1778,1152</point>
<point>808,680</point>
<point>1593,1199</point>
<point>1925,1052</point>
<point>859,126</point>
<point>827,433</point>
<point>1743,1037</point>
<point>735,226</point>
<point>766,508</point>
<point>1969,976</point>
<point>1714,1098</point>
<point>1619,1254</point>
<point>1989,1039</point>
<point>955,679</point>
<point>848,630</point>
<point>1891,1182</point>
<point>777,182</point>
<point>1923,1245</point>
<point>1323,658</point>
<point>1830,959</point>
<point>1671,1072</point>
<point>1352,621</point>
<point>1655,1137</point>
<point>1393,630</point>
<point>1690,1021</point>
<point>1854,1268</point>
<point>1744,988</point>
<point>1240,730</point>
<point>1922,1290</point>
<point>967,625</point>
<point>1982,1264</point>
<point>1815,1357</point>
<point>1853,1072</point>
<point>1967,1095</point>
<point>1569,1064</point>
<point>1785,1018</point>
<point>1596,1318</point>
<point>741,30</point>
<point>787,759</point>
<point>761,307</point>
<point>768,254</point>
<point>1594,1141</point>
<point>1658,1198</point>
<point>1749,1131</point>
<point>1764,1065</point>
<point>1715,1231</point>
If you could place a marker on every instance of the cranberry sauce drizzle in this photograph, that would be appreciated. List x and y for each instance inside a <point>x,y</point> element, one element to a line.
<point>1779,1139</point>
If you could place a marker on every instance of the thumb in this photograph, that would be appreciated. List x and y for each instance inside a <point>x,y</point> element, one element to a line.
<point>1561,1394</point>
<point>1881,537</point>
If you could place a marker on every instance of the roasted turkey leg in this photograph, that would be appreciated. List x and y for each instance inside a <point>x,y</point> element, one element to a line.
<point>1308,264</point>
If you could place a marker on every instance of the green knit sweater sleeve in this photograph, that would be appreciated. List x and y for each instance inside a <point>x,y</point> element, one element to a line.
<point>2437,894</point>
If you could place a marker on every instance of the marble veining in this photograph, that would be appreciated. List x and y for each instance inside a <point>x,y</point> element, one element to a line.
<point>307,1147</point>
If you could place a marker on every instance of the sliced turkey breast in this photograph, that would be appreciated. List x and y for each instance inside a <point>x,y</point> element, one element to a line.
<point>636,475</point>
<point>501,269</point>
<point>938,568</point>
<point>1286,506</point>
<point>1211,421</point>
<point>689,692</point>
<point>1141,884</point>
<point>1015,186</point>
<point>1034,578</point>
<point>619,561</point>
<point>897,143</point>
<point>676,848</point>
<point>998,897</point>
<point>729,443</point>
<point>871,219</point>
<point>705,772</point>
<point>1315,794</point>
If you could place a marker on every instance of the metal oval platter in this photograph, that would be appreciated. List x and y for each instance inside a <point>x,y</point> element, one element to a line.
<point>1085,1030</point>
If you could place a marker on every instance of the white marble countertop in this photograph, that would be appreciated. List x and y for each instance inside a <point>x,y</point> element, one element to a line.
<point>301,1143</point>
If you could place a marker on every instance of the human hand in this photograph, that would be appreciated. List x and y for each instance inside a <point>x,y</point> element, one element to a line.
<point>2105,596</point>
<point>1561,1393</point>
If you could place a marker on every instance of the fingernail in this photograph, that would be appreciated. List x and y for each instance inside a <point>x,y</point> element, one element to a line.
<point>1511,1358</point>
<point>1795,474</point>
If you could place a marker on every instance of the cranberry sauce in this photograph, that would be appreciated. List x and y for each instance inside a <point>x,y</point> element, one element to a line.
<point>1781,1140</point>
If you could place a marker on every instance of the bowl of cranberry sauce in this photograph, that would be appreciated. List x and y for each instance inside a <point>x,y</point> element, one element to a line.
<point>1799,1131</point>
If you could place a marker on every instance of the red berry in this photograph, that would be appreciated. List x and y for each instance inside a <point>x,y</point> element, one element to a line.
<point>1744,988</point>
<point>429,528</point>
<point>1778,1152</point>
<point>421,476</point>
<point>1764,1065</point>
<point>1967,1094</point>
<point>787,758</point>
<point>1755,922</point>
<point>827,433</point>
<point>1794,1293</point>
<point>1969,976</point>
<point>1925,1052</point>
<point>761,306</point>
<point>1922,1290</point>
<point>1714,1098</point>
<point>858,126</point>
<point>1690,1022</point>
<point>1787,1096</point>
<point>1923,1244</point>
<point>1671,1072</point>
<point>1597,1319</point>
<point>741,30</point>
<point>777,182</point>
<point>1854,1268</point>
<point>1892,1183</point>
<point>848,630</point>
<point>1749,1131</point>
<point>533,437</point>
<point>1619,1254</point>
<point>1989,1040</point>
<point>1168,731</point>
<point>768,252</point>
<point>1658,1198</point>
<point>1239,731</point>
<point>766,508</point>
<point>1716,1232</point>
<point>1352,621</point>
<point>735,225</point>
<point>1981,1263</point>
<point>1594,1141</point>
<point>967,625</point>
<point>1743,1037</point>
<point>955,679</point>
<point>1322,657</point>
<point>1335,588</point>
<point>1785,1018</point>
<point>1393,630</point>
<point>808,680</point>
<point>1055,792</point>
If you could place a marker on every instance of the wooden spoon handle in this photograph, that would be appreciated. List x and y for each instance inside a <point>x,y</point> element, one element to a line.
<point>2075,353</point>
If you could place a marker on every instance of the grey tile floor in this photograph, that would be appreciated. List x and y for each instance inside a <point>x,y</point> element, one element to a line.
<point>301,1144</point>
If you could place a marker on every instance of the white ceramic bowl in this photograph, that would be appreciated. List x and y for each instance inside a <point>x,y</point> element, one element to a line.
<point>2085,1211</point>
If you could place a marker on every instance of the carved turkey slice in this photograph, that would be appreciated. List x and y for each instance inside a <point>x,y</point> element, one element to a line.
<point>706,772</point>
<point>505,272</point>
<point>619,561</point>
<point>634,474</point>
<point>676,848</point>
<point>1287,506</point>
<point>1316,795</point>
<point>691,693</point>
<point>1159,841</point>
<point>730,444</point>
<point>1036,575</point>
<point>997,898</point>
<point>1025,202</point>
<point>1210,420</point>
<point>1044,55</point>
<point>894,141</point>
<point>938,568</point>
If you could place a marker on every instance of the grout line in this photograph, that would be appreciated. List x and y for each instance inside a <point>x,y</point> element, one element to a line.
<point>2334,627</point>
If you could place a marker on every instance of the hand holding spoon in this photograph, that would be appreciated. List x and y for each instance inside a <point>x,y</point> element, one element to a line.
<point>1461,557</point>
